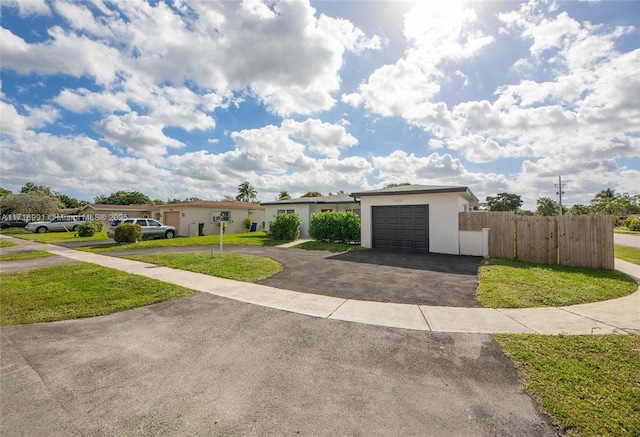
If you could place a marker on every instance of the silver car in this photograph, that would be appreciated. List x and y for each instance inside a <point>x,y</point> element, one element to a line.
<point>150,228</point>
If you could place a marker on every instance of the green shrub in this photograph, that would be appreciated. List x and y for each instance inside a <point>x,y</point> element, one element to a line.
<point>632,223</point>
<point>248,222</point>
<point>86,230</point>
<point>89,229</point>
<point>127,233</point>
<point>98,226</point>
<point>285,227</point>
<point>335,227</point>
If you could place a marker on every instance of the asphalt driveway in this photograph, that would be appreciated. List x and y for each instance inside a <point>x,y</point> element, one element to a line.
<point>205,365</point>
<point>380,276</point>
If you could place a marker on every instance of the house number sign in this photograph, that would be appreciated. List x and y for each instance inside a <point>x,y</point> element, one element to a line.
<point>398,200</point>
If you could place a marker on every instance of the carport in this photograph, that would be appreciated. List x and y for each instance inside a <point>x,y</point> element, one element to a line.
<point>414,218</point>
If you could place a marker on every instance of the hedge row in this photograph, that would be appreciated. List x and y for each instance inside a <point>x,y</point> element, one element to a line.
<point>335,227</point>
<point>285,227</point>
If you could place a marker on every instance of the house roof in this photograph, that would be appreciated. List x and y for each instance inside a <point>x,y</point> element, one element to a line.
<point>106,207</point>
<point>418,189</point>
<point>235,204</point>
<point>338,198</point>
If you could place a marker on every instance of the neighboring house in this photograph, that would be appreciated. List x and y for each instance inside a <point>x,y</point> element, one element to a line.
<point>305,207</point>
<point>417,218</point>
<point>107,213</point>
<point>203,217</point>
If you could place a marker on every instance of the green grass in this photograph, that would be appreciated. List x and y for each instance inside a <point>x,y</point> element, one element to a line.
<point>332,247</point>
<point>243,239</point>
<point>590,385</point>
<point>237,266</point>
<point>624,230</point>
<point>630,254</point>
<point>57,237</point>
<point>516,284</point>
<point>76,290</point>
<point>5,243</point>
<point>25,255</point>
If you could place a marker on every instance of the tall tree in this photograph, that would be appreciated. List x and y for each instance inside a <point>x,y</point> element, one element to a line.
<point>4,192</point>
<point>246,193</point>
<point>547,206</point>
<point>504,202</point>
<point>312,194</point>
<point>34,204</point>
<point>124,198</point>
<point>401,184</point>
<point>284,195</point>
<point>578,209</point>
<point>70,202</point>
<point>30,187</point>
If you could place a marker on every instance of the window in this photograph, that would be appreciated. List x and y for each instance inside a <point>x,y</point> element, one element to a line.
<point>326,210</point>
<point>220,216</point>
<point>285,211</point>
<point>356,211</point>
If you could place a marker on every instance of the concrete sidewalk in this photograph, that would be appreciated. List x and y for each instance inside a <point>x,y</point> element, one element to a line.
<point>621,316</point>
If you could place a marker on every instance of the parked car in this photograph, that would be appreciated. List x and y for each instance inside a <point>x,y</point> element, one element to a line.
<point>150,228</point>
<point>68,223</point>
<point>6,224</point>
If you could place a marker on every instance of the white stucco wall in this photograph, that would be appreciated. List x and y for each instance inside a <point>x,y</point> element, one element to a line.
<point>443,217</point>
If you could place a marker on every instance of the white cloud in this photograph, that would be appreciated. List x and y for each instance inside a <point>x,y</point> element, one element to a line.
<point>141,135</point>
<point>408,88</point>
<point>324,138</point>
<point>28,8</point>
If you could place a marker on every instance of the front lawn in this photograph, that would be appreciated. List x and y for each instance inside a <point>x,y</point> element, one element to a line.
<point>5,243</point>
<point>55,237</point>
<point>76,290</point>
<point>516,284</point>
<point>629,254</point>
<point>590,385</point>
<point>238,266</point>
<point>243,239</point>
<point>25,255</point>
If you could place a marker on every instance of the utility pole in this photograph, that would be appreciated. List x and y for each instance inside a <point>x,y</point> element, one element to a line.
<point>560,186</point>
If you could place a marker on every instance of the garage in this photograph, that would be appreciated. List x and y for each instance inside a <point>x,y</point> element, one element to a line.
<point>401,227</point>
<point>413,218</point>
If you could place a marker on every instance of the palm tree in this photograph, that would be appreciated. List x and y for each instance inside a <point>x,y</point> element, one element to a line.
<point>246,192</point>
<point>284,195</point>
<point>606,194</point>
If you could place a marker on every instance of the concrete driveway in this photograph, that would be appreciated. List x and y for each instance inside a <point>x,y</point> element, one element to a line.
<point>205,365</point>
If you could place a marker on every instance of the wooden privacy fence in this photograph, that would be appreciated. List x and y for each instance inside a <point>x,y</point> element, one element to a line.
<point>574,240</point>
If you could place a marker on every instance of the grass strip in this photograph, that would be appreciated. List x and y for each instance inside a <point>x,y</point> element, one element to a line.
<point>237,266</point>
<point>243,239</point>
<point>76,290</point>
<point>630,254</point>
<point>5,243</point>
<point>25,255</point>
<point>590,385</point>
<point>331,247</point>
<point>516,284</point>
<point>57,237</point>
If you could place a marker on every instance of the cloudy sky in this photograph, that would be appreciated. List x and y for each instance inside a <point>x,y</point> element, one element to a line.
<point>189,98</point>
